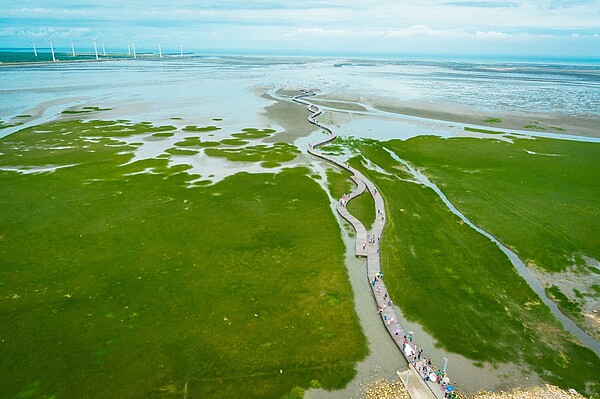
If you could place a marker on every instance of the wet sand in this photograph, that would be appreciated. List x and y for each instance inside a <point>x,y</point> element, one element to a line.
<point>586,126</point>
<point>383,119</point>
<point>287,115</point>
<point>548,123</point>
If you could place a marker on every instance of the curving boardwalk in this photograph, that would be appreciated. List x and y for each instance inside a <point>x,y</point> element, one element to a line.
<point>367,245</point>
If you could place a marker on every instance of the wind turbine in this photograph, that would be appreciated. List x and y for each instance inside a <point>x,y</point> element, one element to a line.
<point>132,46</point>
<point>159,51</point>
<point>72,47</point>
<point>128,48</point>
<point>32,42</point>
<point>51,48</point>
<point>95,47</point>
<point>51,45</point>
<point>103,49</point>
<point>181,49</point>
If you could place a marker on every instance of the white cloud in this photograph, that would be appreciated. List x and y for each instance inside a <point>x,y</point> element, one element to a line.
<point>46,13</point>
<point>380,24</point>
<point>422,31</point>
<point>491,35</point>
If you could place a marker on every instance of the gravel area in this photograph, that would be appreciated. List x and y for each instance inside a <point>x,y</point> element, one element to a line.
<point>383,389</point>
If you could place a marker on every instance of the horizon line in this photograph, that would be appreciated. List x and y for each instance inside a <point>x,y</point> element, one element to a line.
<point>318,53</point>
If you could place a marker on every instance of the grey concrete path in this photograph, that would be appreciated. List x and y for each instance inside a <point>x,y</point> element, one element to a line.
<point>367,244</point>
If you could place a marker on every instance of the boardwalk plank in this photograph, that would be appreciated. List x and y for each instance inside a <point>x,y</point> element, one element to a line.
<point>367,244</point>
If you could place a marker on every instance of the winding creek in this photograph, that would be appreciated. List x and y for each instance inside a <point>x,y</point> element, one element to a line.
<point>523,271</point>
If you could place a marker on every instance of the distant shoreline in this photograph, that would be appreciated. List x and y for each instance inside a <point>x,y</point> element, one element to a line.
<point>150,53</point>
<point>115,57</point>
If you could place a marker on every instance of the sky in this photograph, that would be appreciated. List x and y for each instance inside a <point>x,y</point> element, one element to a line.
<point>519,28</point>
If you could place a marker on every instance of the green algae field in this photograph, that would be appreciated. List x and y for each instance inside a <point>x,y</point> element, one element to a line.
<point>538,196</point>
<point>463,290</point>
<point>135,278</point>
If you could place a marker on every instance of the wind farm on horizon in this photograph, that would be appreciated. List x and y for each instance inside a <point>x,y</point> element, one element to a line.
<point>52,50</point>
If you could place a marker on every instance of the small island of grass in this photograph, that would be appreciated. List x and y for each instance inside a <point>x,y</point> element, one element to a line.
<point>492,120</point>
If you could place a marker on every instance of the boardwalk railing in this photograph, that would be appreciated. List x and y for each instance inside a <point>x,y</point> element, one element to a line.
<point>367,245</point>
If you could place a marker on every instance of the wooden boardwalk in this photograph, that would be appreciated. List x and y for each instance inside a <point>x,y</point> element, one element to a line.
<point>367,245</point>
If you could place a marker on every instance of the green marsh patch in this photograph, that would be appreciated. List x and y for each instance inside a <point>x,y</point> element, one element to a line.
<point>163,134</point>
<point>492,120</point>
<point>276,153</point>
<point>179,151</point>
<point>192,128</point>
<point>234,142</point>
<point>209,144</point>
<point>84,110</point>
<point>534,126</point>
<point>4,124</point>
<point>478,130</point>
<point>253,133</point>
<point>134,285</point>
<point>563,301</point>
<point>189,142</point>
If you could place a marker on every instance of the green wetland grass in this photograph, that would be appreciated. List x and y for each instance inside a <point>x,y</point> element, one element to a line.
<point>478,130</point>
<point>4,124</point>
<point>463,290</point>
<point>178,151</point>
<point>84,110</point>
<point>253,133</point>
<point>492,120</point>
<point>563,301</point>
<point>535,125</point>
<point>272,155</point>
<point>119,283</point>
<point>538,196</point>
<point>189,142</point>
<point>192,128</point>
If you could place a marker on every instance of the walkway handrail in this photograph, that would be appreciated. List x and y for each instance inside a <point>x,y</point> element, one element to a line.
<point>366,246</point>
